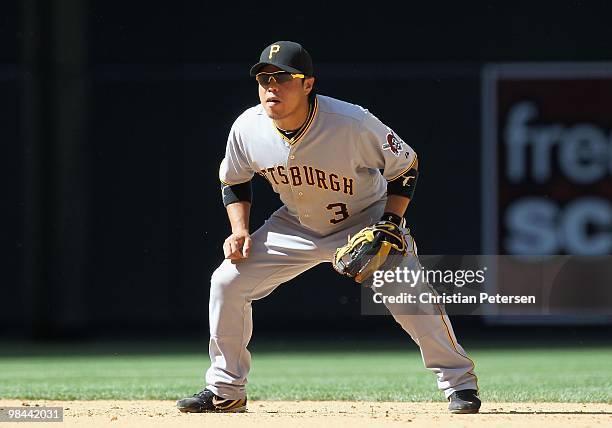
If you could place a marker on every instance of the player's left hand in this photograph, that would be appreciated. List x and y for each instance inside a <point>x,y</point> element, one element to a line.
<point>368,250</point>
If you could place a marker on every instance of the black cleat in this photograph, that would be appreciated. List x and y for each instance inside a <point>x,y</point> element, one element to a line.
<point>206,401</point>
<point>464,401</point>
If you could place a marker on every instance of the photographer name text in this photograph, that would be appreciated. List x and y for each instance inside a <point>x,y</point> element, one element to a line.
<point>435,298</point>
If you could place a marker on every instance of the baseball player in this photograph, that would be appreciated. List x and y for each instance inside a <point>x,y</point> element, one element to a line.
<point>324,158</point>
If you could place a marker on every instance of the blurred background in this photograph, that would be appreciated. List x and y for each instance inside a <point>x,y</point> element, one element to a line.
<point>115,117</point>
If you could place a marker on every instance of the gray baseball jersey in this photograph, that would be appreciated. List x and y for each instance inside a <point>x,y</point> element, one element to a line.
<point>329,171</point>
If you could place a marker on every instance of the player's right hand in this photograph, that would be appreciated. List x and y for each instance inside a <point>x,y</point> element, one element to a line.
<point>237,245</point>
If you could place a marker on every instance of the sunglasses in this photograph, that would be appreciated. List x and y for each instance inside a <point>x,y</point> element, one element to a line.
<point>264,79</point>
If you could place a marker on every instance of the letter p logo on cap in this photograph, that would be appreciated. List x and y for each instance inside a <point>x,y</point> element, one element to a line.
<point>273,49</point>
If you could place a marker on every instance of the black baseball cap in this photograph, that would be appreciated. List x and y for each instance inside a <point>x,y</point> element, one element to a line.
<point>288,56</point>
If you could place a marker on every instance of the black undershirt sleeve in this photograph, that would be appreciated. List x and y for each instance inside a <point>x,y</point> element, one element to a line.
<point>404,185</point>
<point>236,193</point>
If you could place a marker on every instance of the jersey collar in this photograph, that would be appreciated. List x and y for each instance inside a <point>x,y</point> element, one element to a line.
<point>312,112</point>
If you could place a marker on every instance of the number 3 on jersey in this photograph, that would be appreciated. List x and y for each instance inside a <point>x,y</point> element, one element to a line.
<point>340,214</point>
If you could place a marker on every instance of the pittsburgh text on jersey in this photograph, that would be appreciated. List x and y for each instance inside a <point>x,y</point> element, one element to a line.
<point>310,176</point>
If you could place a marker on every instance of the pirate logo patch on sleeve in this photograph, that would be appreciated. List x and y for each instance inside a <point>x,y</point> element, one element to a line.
<point>393,144</point>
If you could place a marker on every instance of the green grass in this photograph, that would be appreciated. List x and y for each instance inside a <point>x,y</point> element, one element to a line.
<point>523,374</point>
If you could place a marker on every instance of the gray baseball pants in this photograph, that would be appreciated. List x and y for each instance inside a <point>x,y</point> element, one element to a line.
<point>282,249</point>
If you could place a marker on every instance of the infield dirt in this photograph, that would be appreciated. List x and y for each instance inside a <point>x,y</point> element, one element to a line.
<point>336,414</point>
